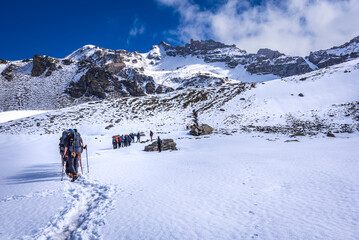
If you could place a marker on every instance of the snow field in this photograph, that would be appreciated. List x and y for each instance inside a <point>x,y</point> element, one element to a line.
<point>216,187</point>
<point>13,115</point>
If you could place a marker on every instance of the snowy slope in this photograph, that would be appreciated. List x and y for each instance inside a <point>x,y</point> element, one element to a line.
<point>258,183</point>
<point>323,100</point>
<point>247,186</point>
<point>91,72</point>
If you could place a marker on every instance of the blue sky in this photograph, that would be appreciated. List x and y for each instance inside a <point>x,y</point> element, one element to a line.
<point>56,28</point>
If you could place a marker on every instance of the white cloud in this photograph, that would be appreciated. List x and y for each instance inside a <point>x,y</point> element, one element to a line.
<point>294,27</point>
<point>137,29</point>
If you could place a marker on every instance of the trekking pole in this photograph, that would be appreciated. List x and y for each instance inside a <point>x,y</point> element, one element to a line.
<point>87,161</point>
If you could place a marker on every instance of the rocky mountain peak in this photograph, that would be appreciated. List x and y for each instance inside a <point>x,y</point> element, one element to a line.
<point>205,45</point>
<point>336,55</point>
<point>269,53</point>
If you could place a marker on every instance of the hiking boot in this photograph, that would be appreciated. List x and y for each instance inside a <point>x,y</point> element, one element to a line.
<point>74,178</point>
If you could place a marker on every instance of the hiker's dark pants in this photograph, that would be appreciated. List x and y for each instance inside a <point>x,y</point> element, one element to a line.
<point>73,164</point>
<point>159,147</point>
<point>119,144</point>
<point>114,145</point>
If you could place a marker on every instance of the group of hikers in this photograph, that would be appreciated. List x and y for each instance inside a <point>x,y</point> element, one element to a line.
<point>119,141</point>
<point>71,147</point>
<point>125,140</point>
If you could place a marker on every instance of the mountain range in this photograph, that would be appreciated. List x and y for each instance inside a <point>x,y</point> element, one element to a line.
<point>93,73</point>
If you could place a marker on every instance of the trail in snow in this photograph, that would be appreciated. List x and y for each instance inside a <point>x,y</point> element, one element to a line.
<point>87,204</point>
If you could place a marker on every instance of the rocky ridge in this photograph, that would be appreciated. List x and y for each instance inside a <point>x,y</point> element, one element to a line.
<point>96,73</point>
<point>336,55</point>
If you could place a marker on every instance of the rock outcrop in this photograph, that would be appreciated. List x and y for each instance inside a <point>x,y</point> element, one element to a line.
<point>43,63</point>
<point>167,144</point>
<point>335,55</point>
<point>203,129</point>
<point>96,82</point>
<point>8,72</point>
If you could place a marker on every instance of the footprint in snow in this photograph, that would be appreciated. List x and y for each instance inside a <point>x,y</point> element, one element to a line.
<point>88,204</point>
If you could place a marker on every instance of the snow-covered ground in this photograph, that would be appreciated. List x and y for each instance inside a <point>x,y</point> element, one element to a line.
<point>257,185</point>
<point>13,115</point>
<point>246,186</point>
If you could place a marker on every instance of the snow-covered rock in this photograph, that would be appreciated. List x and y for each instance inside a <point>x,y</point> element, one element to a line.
<point>335,55</point>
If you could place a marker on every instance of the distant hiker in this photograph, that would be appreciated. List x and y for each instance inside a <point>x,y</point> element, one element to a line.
<point>114,142</point>
<point>73,149</point>
<point>132,137</point>
<point>119,141</point>
<point>122,141</point>
<point>129,139</point>
<point>138,137</point>
<point>151,135</point>
<point>159,143</point>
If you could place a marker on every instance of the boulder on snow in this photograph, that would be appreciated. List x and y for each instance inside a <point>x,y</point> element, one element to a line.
<point>167,144</point>
<point>203,129</point>
<point>330,134</point>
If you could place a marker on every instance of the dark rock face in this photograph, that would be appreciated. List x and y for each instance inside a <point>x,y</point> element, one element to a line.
<point>67,61</point>
<point>2,61</point>
<point>133,88</point>
<point>203,129</point>
<point>96,82</point>
<point>282,67</point>
<point>266,61</point>
<point>336,55</point>
<point>7,73</point>
<point>41,63</point>
<point>150,88</point>
<point>269,53</point>
<point>194,47</point>
<point>159,89</point>
<point>167,144</point>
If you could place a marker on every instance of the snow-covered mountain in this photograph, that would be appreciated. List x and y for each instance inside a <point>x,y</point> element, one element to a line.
<point>92,72</point>
<point>335,55</point>
<point>316,102</point>
<point>272,169</point>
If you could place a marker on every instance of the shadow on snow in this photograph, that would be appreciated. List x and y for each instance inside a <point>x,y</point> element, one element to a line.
<point>37,173</point>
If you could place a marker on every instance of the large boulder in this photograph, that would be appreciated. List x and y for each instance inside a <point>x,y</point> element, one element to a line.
<point>203,129</point>
<point>167,144</point>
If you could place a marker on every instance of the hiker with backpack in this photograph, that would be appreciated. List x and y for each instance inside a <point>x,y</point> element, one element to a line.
<point>64,157</point>
<point>151,135</point>
<point>159,144</point>
<point>73,149</point>
<point>120,143</point>
<point>62,150</point>
<point>138,137</point>
<point>118,138</point>
<point>114,142</point>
